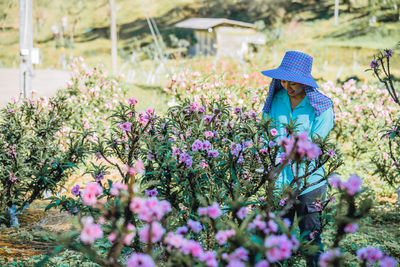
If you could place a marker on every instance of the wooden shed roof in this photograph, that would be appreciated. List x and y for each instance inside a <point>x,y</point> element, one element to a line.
<point>206,23</point>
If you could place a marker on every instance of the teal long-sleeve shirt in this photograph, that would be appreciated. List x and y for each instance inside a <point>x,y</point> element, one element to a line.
<point>307,120</point>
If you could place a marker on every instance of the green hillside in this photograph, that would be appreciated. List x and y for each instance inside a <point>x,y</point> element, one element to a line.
<point>290,25</point>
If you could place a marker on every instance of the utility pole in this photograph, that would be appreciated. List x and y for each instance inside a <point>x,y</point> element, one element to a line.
<point>336,11</point>
<point>113,36</point>
<point>25,47</point>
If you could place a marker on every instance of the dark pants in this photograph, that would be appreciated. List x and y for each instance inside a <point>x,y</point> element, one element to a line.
<point>310,220</point>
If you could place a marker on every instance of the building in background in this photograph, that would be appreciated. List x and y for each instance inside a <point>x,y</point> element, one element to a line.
<point>222,37</point>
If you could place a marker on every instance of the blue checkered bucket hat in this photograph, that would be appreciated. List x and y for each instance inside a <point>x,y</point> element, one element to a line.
<point>296,67</point>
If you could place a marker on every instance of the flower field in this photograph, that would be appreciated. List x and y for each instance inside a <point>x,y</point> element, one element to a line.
<point>192,182</point>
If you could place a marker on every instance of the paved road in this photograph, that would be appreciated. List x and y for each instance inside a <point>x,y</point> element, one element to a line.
<point>45,83</point>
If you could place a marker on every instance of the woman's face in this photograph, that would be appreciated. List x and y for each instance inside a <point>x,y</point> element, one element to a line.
<point>293,88</point>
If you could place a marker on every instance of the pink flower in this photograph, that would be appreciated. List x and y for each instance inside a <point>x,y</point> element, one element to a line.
<point>111,237</point>
<point>139,166</point>
<point>204,164</point>
<point>210,258</point>
<point>140,260</point>
<point>116,187</point>
<point>194,106</point>
<point>242,213</point>
<point>262,263</point>
<point>157,232</point>
<point>174,240</point>
<point>274,132</point>
<point>90,231</point>
<point>202,211</point>
<point>13,178</point>
<point>353,185</point>
<point>92,190</point>
<point>351,228</point>
<point>208,134</point>
<point>126,126</point>
<point>326,258</point>
<point>132,101</point>
<point>279,247</point>
<point>214,211</point>
<point>128,238</point>
<point>195,226</point>
<point>240,254</point>
<point>136,204</point>
<point>192,247</point>
<point>223,236</point>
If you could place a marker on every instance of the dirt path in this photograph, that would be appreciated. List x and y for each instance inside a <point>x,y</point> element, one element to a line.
<point>36,226</point>
<point>45,83</point>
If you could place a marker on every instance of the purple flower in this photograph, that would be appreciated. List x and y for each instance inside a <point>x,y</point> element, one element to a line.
<point>197,145</point>
<point>374,64</point>
<point>126,126</point>
<point>369,254</point>
<point>151,193</point>
<point>271,144</point>
<point>235,149</point>
<point>331,153</point>
<point>206,145</point>
<point>213,153</point>
<point>335,181</point>
<point>140,260</point>
<point>186,158</point>
<point>388,262</point>
<point>98,177</point>
<point>282,202</point>
<point>389,53</point>
<point>242,213</point>
<point>182,230</point>
<point>195,226</point>
<point>240,159</point>
<point>262,263</point>
<point>75,190</point>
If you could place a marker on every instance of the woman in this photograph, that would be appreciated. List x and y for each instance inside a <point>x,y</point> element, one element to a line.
<point>293,95</point>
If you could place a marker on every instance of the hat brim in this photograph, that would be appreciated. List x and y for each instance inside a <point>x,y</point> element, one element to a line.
<point>282,74</point>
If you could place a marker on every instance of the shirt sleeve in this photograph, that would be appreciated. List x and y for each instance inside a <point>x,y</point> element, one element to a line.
<point>323,123</point>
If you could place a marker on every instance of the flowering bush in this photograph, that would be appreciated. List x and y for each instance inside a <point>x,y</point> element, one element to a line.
<point>251,237</point>
<point>34,158</point>
<point>388,166</point>
<point>92,95</point>
<point>212,164</point>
